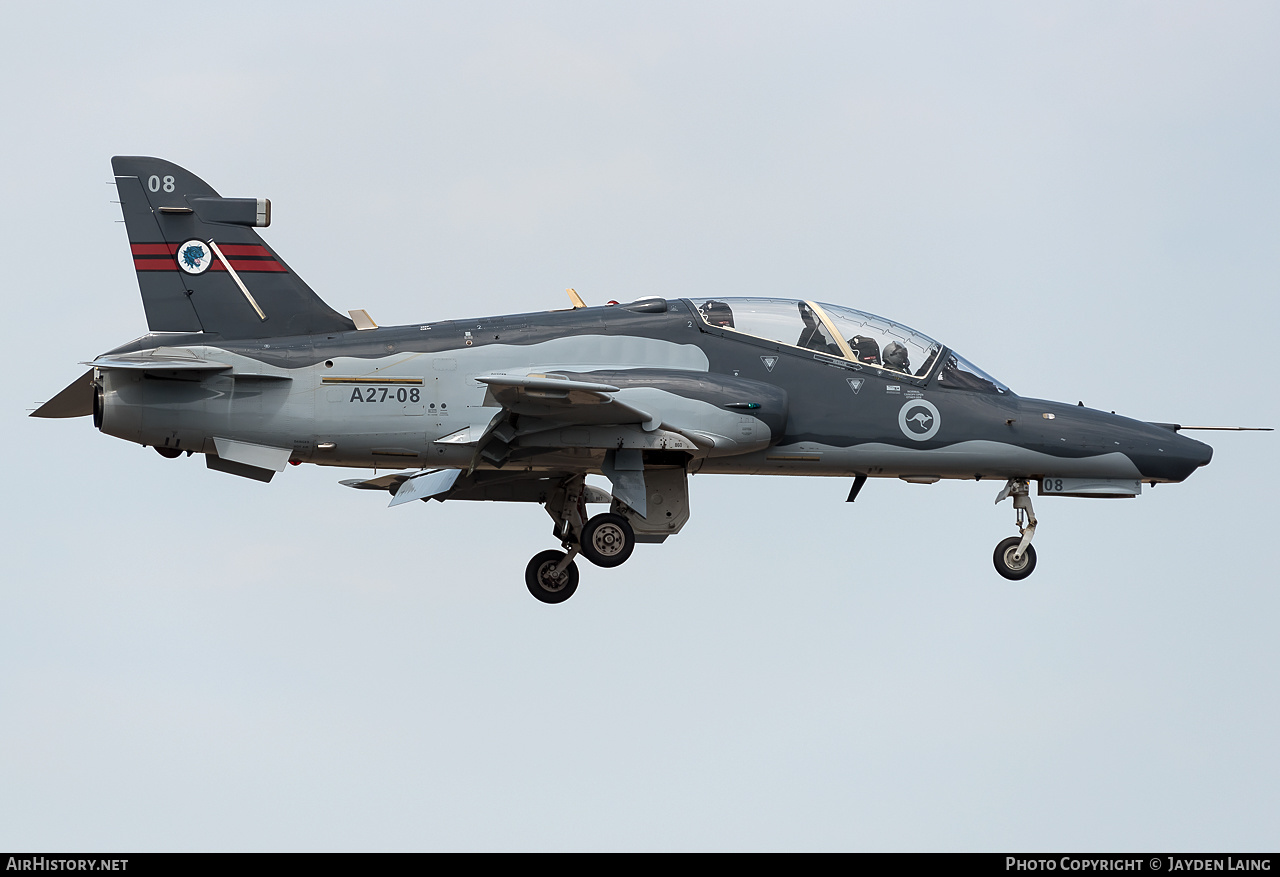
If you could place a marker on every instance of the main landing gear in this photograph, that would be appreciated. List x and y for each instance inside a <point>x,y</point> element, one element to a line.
<point>1014,557</point>
<point>606,540</point>
<point>552,576</point>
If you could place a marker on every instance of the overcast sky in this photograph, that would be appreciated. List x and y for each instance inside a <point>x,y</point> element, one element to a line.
<point>1079,197</point>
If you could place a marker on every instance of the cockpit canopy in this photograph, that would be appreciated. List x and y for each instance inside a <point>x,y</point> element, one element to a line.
<point>848,334</point>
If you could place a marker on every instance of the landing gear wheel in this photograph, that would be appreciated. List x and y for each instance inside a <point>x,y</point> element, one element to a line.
<point>607,540</point>
<point>169,453</point>
<point>1010,568</point>
<point>539,576</point>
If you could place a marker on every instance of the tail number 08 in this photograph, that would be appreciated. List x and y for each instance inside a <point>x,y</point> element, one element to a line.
<point>154,183</point>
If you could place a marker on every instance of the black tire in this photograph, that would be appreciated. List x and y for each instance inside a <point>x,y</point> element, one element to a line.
<point>608,540</point>
<point>545,588</point>
<point>168,453</point>
<point>1005,564</point>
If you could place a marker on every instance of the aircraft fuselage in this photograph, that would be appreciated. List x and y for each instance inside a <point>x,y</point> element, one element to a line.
<point>246,365</point>
<point>385,398</point>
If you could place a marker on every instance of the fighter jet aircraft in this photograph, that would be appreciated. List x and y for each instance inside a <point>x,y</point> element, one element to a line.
<point>246,365</point>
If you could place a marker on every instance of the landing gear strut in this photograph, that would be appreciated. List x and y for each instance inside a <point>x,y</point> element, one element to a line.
<point>1014,557</point>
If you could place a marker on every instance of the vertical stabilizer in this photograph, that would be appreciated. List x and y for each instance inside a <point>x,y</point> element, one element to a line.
<point>202,267</point>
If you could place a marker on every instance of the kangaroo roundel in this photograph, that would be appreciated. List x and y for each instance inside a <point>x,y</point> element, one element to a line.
<point>919,420</point>
<point>194,257</point>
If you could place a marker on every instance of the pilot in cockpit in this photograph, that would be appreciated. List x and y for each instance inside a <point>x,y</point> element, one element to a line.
<point>865,349</point>
<point>896,358</point>
<point>717,313</point>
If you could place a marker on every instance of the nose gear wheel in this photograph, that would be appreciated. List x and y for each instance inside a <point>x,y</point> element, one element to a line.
<point>1014,557</point>
<point>1009,564</point>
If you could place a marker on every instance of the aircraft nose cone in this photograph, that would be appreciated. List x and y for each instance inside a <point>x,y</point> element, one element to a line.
<point>1204,456</point>
<point>1171,457</point>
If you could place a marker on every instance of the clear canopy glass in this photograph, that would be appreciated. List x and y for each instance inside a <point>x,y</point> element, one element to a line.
<point>960,374</point>
<point>845,333</point>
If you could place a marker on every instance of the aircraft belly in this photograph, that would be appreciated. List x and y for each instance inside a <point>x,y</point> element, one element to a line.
<point>961,460</point>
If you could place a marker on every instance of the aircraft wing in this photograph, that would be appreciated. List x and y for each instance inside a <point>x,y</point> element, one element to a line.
<point>619,414</point>
<point>563,400</point>
<point>636,409</point>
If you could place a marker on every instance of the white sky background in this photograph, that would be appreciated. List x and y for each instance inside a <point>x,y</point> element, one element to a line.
<point>1080,197</point>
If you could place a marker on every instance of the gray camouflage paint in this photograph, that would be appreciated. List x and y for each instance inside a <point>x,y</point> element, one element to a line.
<point>305,379</point>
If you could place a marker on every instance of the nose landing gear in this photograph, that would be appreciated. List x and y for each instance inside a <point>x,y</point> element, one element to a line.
<point>1008,562</point>
<point>1014,557</point>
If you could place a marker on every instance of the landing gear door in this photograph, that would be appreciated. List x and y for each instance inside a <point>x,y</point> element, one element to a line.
<point>1090,487</point>
<point>667,505</point>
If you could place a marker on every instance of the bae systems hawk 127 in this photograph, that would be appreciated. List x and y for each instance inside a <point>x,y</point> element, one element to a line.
<point>246,365</point>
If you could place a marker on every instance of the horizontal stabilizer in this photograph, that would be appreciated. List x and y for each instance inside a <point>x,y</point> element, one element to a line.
<point>174,359</point>
<point>425,486</point>
<point>75,400</point>
<point>154,361</point>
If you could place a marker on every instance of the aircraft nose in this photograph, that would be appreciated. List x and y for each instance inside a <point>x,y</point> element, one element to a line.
<point>1169,456</point>
<point>1204,455</point>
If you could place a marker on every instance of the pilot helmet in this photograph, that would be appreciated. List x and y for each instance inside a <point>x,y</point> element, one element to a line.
<point>717,313</point>
<point>895,356</point>
<point>865,349</point>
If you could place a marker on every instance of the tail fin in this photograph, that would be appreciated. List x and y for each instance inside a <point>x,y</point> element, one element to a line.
<point>201,266</point>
